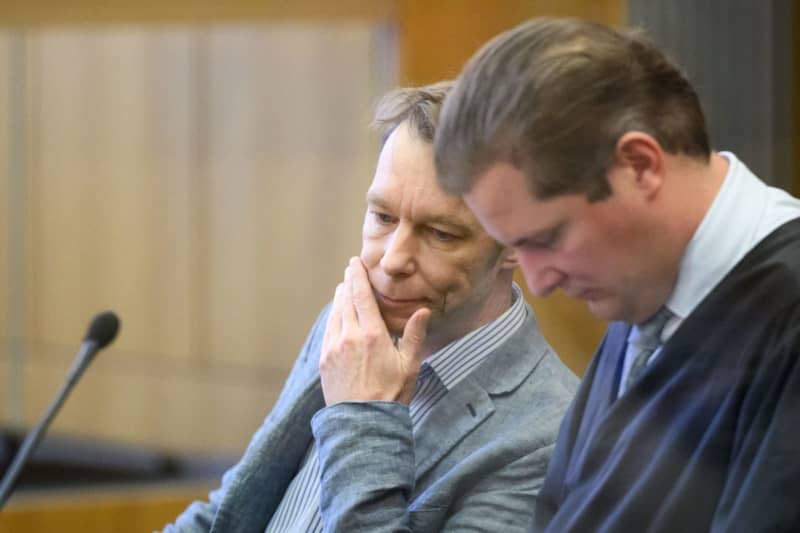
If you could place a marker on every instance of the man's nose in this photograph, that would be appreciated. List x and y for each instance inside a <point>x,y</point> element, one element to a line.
<point>398,255</point>
<point>540,275</point>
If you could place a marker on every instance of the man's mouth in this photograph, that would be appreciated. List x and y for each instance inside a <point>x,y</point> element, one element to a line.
<point>398,303</point>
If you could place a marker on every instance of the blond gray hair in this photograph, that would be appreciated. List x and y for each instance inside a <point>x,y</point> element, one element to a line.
<point>419,106</point>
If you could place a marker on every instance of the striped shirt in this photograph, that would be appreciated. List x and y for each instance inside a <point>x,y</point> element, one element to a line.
<point>439,373</point>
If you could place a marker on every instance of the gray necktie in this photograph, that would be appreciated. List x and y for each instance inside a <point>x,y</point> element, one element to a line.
<point>643,341</point>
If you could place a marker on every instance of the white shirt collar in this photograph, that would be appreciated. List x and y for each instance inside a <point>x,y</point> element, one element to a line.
<point>744,211</point>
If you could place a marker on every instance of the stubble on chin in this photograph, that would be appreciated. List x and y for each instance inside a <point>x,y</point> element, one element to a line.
<point>396,325</point>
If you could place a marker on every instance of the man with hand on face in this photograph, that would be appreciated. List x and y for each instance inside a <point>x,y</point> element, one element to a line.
<point>585,150</point>
<point>425,398</point>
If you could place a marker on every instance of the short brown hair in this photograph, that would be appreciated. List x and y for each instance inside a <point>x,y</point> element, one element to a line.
<point>553,96</point>
<point>420,106</point>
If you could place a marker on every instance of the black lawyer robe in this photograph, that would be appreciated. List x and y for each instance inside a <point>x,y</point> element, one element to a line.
<point>709,438</point>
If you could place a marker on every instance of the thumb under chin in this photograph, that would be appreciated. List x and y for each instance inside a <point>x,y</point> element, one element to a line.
<point>415,331</point>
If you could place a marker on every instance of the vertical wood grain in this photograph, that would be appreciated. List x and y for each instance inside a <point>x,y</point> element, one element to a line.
<point>208,184</point>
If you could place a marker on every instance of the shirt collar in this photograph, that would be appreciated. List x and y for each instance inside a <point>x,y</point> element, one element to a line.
<point>717,245</point>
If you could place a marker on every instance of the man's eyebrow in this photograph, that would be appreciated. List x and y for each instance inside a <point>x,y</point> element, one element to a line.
<point>540,237</point>
<point>454,222</point>
<point>376,200</point>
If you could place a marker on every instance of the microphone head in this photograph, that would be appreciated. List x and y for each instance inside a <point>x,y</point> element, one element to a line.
<point>103,329</point>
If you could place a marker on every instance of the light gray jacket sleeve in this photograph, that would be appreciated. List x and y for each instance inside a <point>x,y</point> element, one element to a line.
<point>366,453</point>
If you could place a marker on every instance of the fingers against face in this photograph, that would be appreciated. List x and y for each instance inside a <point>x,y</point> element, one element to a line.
<point>363,299</point>
<point>359,361</point>
<point>414,333</point>
<point>333,328</point>
<point>349,317</point>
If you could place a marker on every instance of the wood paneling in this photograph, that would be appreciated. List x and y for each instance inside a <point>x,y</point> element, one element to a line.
<point>297,145</point>
<point>156,402</point>
<point>208,187</point>
<point>111,185</point>
<point>57,12</point>
<point>121,510</point>
<point>5,154</point>
<point>438,37</point>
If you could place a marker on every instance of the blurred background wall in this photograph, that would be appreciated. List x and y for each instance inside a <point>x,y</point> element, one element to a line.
<point>195,181</point>
<point>200,168</point>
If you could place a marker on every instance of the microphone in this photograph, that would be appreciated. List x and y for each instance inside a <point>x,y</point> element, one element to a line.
<point>101,332</point>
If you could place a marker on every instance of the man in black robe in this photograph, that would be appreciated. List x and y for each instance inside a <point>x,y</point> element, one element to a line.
<point>586,150</point>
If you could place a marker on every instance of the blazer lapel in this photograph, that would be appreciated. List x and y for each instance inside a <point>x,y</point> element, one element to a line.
<point>602,423</point>
<point>456,415</point>
<point>464,408</point>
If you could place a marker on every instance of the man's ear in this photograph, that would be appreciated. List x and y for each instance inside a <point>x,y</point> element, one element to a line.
<point>642,157</point>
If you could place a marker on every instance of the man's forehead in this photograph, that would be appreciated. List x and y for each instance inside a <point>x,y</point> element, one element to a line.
<point>501,200</point>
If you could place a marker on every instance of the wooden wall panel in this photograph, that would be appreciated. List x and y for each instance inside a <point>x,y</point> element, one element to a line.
<point>15,229</point>
<point>111,176</point>
<point>5,231</point>
<point>292,139</point>
<point>121,510</point>
<point>58,12</point>
<point>180,407</point>
<point>208,185</point>
<point>437,38</point>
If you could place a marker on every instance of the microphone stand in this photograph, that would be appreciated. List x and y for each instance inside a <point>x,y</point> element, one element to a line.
<point>101,332</point>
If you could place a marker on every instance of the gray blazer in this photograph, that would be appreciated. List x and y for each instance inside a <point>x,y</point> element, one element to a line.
<point>476,463</point>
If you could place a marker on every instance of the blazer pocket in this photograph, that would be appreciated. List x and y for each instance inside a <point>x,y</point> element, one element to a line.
<point>427,518</point>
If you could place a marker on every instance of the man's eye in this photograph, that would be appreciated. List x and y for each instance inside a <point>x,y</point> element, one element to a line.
<point>539,244</point>
<point>547,241</point>
<point>383,218</point>
<point>442,236</point>
<point>545,244</point>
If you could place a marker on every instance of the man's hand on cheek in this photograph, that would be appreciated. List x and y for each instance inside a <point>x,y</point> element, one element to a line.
<point>359,361</point>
